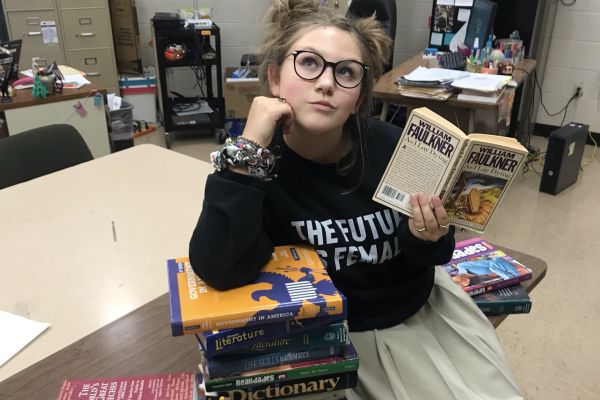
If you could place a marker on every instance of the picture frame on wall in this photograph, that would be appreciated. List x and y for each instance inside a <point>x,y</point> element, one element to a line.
<point>447,18</point>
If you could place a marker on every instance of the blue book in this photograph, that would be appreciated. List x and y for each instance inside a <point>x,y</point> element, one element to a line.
<point>509,300</point>
<point>263,341</point>
<point>227,341</point>
<point>230,367</point>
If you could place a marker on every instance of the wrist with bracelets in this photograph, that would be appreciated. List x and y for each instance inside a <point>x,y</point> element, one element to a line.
<point>244,152</point>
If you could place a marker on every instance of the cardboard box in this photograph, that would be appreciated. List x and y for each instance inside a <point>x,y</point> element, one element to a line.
<point>126,36</point>
<point>239,94</point>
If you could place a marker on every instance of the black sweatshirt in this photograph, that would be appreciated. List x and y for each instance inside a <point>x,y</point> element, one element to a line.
<point>384,271</point>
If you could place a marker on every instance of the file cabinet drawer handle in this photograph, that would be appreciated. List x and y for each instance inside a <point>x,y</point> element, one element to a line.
<point>85,34</point>
<point>34,33</point>
<point>92,74</point>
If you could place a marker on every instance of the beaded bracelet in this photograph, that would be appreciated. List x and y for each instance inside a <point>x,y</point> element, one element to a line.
<point>244,152</point>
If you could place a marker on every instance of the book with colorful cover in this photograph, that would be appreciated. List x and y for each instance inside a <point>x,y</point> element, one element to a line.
<point>470,248</point>
<point>470,173</point>
<point>347,361</point>
<point>492,271</point>
<point>227,341</point>
<point>509,300</point>
<point>230,367</point>
<point>324,336</point>
<point>175,386</point>
<point>293,285</point>
<point>304,388</point>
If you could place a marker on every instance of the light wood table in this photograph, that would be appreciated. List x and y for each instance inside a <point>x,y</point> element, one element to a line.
<point>62,263</point>
<point>140,343</point>
<point>387,90</point>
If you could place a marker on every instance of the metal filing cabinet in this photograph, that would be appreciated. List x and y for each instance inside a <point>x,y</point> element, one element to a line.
<point>24,19</point>
<point>84,31</point>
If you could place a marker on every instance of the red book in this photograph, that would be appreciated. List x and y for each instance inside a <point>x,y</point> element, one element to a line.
<point>176,386</point>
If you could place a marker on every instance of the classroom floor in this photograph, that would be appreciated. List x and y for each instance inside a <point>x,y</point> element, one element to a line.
<point>555,350</point>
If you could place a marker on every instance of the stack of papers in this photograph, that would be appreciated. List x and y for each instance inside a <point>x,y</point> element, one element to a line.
<point>482,82</point>
<point>429,83</point>
<point>73,78</point>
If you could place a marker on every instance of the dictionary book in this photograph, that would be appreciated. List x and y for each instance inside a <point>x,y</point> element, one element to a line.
<point>293,285</point>
<point>325,387</point>
<point>470,173</point>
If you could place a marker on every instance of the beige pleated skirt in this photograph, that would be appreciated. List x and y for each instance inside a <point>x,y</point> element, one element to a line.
<point>447,351</point>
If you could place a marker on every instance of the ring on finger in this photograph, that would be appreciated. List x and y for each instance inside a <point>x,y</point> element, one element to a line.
<point>281,100</point>
<point>444,226</point>
<point>423,229</point>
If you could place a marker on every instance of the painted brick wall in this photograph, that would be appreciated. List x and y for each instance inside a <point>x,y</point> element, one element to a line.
<point>574,58</point>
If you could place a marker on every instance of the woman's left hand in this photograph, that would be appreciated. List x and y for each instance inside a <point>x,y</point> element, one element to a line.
<point>430,220</point>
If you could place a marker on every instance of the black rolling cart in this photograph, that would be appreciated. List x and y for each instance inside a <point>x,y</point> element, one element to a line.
<point>198,48</point>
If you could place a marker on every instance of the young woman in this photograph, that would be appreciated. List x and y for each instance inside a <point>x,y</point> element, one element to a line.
<point>304,171</point>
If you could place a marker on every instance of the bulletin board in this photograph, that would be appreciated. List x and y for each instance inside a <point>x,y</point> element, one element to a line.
<point>447,17</point>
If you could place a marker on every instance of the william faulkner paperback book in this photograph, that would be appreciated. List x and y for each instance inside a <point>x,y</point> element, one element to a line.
<point>470,173</point>
<point>293,285</point>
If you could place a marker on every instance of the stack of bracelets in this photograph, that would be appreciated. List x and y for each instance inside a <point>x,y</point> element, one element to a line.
<point>243,152</point>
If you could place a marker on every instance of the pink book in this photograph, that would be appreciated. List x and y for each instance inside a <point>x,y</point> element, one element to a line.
<point>175,386</point>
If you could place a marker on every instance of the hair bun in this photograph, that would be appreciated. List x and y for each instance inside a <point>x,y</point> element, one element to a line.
<point>284,12</point>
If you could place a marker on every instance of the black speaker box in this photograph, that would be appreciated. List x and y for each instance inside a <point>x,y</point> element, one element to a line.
<point>563,157</point>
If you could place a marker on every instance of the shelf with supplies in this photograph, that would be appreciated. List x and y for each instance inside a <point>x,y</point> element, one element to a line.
<point>198,49</point>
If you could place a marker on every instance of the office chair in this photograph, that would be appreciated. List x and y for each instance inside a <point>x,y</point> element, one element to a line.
<point>40,151</point>
<point>385,12</point>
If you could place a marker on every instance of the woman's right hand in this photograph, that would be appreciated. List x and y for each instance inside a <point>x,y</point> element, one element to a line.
<point>264,116</point>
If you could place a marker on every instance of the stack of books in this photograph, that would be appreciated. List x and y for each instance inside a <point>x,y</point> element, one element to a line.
<point>490,276</point>
<point>429,83</point>
<point>282,336</point>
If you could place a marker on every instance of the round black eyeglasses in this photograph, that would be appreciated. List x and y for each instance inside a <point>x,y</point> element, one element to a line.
<point>310,66</point>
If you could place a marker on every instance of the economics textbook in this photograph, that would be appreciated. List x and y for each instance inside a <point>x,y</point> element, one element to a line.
<point>293,285</point>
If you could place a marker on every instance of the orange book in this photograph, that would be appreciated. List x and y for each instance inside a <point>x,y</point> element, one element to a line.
<point>293,285</point>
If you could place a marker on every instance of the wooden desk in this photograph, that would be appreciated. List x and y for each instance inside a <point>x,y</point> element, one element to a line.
<point>27,112</point>
<point>139,343</point>
<point>387,90</point>
<point>61,262</point>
